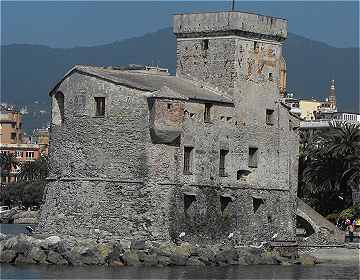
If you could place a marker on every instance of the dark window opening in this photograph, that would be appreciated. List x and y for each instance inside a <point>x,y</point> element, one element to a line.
<point>270,77</point>
<point>205,44</point>
<point>253,158</point>
<point>257,202</point>
<point>224,201</point>
<point>188,160</point>
<point>207,114</point>
<point>269,116</point>
<point>222,171</point>
<point>13,136</point>
<point>189,198</point>
<point>169,106</point>
<point>242,174</point>
<point>100,106</point>
<point>13,125</point>
<point>255,45</point>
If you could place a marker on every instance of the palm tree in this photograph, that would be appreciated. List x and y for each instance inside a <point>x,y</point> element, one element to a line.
<point>333,162</point>
<point>7,162</point>
<point>33,170</point>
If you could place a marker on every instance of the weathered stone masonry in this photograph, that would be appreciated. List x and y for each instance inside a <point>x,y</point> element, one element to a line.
<point>123,172</point>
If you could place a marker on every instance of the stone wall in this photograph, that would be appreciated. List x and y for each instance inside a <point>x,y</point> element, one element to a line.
<point>213,64</point>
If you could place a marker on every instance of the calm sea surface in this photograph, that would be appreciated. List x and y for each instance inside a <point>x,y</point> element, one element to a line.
<point>334,271</point>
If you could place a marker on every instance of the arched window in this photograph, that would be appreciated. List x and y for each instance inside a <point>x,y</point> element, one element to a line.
<point>58,108</point>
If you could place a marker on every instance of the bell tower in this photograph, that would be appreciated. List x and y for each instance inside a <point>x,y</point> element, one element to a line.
<point>332,94</point>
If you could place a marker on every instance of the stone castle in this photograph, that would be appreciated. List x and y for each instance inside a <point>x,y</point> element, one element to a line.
<point>139,154</point>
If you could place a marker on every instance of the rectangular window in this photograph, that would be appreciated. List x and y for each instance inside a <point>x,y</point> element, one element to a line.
<point>205,44</point>
<point>222,171</point>
<point>13,136</point>
<point>29,155</point>
<point>253,157</point>
<point>100,106</point>
<point>257,202</point>
<point>270,77</point>
<point>207,115</point>
<point>188,160</point>
<point>269,116</point>
<point>19,154</point>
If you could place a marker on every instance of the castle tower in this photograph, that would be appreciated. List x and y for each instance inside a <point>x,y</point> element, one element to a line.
<point>332,94</point>
<point>238,53</point>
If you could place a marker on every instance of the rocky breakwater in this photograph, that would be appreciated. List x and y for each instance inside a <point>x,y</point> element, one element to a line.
<point>23,249</point>
<point>17,216</point>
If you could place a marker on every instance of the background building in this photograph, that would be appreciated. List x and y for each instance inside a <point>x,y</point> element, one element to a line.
<point>10,125</point>
<point>13,142</point>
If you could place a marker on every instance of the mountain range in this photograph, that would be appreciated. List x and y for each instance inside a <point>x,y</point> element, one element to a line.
<point>28,72</point>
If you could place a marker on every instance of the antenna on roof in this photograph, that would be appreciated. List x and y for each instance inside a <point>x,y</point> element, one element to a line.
<point>233,5</point>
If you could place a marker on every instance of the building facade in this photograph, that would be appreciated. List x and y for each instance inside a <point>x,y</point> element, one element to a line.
<point>41,137</point>
<point>209,152</point>
<point>23,153</point>
<point>10,125</point>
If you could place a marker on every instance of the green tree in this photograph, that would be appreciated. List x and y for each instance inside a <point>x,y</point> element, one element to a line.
<point>7,162</point>
<point>29,188</point>
<point>33,170</point>
<point>329,167</point>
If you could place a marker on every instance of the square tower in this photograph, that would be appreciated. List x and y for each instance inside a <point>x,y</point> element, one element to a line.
<point>238,53</point>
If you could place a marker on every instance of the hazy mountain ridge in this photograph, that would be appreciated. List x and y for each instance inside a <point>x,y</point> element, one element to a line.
<point>28,72</point>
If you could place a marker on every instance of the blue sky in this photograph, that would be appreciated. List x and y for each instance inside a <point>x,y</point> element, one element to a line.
<point>70,24</point>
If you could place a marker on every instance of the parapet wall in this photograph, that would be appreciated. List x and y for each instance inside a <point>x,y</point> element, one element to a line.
<point>275,28</point>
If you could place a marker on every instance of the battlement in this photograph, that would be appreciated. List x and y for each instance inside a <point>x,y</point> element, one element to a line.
<point>231,22</point>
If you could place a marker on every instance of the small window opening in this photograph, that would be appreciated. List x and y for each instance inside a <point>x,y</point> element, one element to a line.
<point>189,198</point>
<point>257,202</point>
<point>270,76</point>
<point>100,106</point>
<point>192,115</point>
<point>253,157</point>
<point>13,136</point>
<point>225,200</point>
<point>269,116</point>
<point>222,118</point>
<point>205,44</point>
<point>169,106</point>
<point>228,118</point>
<point>222,171</point>
<point>207,113</point>
<point>240,174</point>
<point>255,45</point>
<point>188,151</point>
